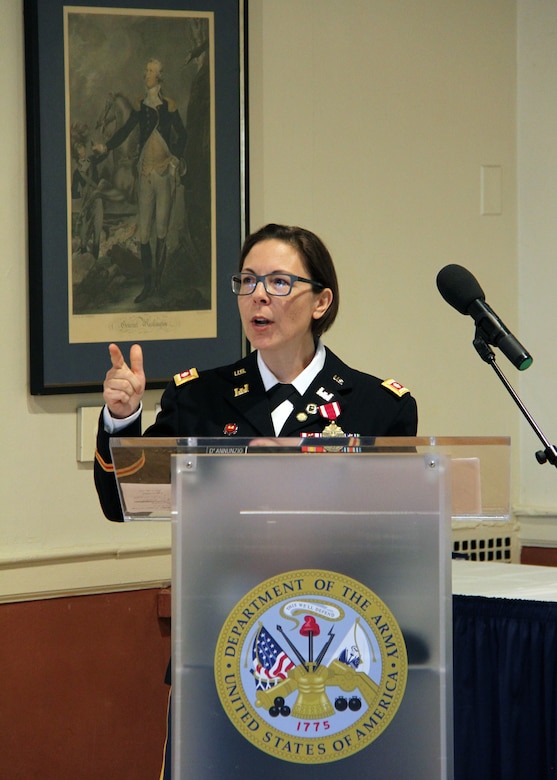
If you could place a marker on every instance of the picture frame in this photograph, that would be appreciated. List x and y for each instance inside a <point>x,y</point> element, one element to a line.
<point>133,233</point>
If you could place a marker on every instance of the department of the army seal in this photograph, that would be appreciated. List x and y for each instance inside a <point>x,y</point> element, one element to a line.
<point>311,666</point>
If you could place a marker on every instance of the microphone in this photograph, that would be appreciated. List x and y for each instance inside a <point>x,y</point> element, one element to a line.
<point>462,291</point>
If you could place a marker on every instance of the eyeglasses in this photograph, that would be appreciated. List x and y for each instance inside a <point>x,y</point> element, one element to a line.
<point>275,284</point>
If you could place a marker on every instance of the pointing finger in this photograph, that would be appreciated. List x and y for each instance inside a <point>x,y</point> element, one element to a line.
<point>116,356</point>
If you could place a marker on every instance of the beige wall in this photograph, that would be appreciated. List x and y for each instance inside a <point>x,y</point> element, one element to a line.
<point>537,245</point>
<point>52,534</point>
<point>369,123</point>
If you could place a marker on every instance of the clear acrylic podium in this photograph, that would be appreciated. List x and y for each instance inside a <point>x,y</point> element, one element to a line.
<point>244,512</point>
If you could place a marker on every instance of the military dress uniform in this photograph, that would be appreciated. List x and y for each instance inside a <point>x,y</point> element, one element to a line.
<point>165,118</point>
<point>162,135</point>
<point>231,401</point>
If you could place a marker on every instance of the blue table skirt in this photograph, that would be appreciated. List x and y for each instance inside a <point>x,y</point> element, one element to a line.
<point>505,689</point>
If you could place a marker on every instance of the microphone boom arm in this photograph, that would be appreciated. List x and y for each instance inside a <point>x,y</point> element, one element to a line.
<point>481,345</point>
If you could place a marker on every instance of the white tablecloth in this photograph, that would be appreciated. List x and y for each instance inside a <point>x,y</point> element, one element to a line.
<point>504,580</point>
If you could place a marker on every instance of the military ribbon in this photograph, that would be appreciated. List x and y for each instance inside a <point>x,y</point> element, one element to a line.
<point>330,411</point>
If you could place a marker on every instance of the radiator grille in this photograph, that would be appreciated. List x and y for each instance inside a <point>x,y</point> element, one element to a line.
<point>490,542</point>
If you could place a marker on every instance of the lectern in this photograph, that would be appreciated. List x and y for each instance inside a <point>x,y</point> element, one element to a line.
<point>311,612</point>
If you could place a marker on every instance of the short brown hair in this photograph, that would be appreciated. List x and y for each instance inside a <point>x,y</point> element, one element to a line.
<point>315,257</point>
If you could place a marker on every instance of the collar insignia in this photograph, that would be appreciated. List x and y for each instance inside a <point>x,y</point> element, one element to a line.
<point>241,390</point>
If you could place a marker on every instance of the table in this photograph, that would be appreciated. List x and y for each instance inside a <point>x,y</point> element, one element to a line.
<point>504,671</point>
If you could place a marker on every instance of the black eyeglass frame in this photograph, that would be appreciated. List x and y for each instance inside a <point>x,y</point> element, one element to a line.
<point>263,279</point>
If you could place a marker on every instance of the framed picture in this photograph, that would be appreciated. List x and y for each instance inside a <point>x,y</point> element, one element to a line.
<point>137,167</point>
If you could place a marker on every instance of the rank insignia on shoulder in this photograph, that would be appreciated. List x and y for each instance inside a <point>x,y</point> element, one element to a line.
<point>185,376</point>
<point>395,387</point>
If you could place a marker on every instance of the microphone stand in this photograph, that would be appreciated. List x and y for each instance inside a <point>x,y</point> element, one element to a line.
<point>549,453</point>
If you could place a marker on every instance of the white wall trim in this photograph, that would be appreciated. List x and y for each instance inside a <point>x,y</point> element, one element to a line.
<point>538,526</point>
<point>83,572</point>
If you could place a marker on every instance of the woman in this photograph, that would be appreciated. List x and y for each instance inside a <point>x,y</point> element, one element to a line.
<point>287,297</point>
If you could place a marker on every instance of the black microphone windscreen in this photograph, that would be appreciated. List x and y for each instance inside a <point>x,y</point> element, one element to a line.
<point>459,287</point>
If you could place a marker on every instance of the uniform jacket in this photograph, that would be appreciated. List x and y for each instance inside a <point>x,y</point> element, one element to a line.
<point>165,118</point>
<point>231,401</point>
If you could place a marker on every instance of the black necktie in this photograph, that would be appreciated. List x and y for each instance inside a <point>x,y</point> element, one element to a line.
<point>279,393</point>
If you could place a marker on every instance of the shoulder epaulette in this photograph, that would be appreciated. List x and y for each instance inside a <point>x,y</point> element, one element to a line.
<point>395,387</point>
<point>170,103</point>
<point>185,376</point>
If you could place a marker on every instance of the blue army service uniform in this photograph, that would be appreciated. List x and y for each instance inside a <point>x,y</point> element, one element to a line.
<point>231,401</point>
